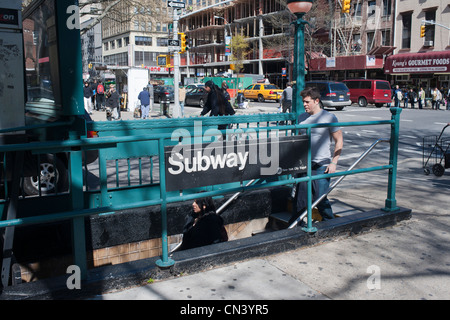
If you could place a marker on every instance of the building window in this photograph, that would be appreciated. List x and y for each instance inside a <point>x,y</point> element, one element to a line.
<point>161,42</point>
<point>143,41</point>
<point>430,28</point>
<point>386,37</point>
<point>387,4</point>
<point>371,9</point>
<point>370,40</point>
<point>357,11</point>
<point>406,30</point>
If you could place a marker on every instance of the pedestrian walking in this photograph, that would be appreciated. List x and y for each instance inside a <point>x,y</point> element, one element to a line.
<point>181,97</point>
<point>322,159</point>
<point>216,103</point>
<point>405,98</point>
<point>412,97</point>
<point>113,102</point>
<point>144,98</point>
<point>87,94</point>
<point>100,97</point>
<point>397,96</point>
<point>436,97</point>
<point>286,99</point>
<point>421,98</point>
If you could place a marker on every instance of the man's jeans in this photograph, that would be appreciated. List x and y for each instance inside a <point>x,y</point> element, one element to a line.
<point>319,187</point>
<point>145,110</point>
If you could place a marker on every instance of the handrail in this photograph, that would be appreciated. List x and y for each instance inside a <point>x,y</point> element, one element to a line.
<point>315,203</point>
<point>75,145</point>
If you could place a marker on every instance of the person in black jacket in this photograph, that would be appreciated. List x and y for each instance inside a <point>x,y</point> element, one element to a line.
<point>204,226</point>
<point>113,101</point>
<point>88,93</point>
<point>216,103</point>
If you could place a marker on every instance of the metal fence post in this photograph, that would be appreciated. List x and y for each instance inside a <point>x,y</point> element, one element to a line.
<point>391,203</point>
<point>309,227</point>
<point>165,261</point>
<point>77,198</point>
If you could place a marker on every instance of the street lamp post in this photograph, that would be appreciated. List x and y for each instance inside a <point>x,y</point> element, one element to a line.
<point>299,8</point>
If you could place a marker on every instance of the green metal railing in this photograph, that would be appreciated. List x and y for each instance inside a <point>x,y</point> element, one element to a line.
<point>161,132</point>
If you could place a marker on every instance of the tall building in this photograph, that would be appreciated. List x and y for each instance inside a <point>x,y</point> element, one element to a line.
<point>360,40</point>
<point>135,33</point>
<point>422,54</point>
<point>263,25</point>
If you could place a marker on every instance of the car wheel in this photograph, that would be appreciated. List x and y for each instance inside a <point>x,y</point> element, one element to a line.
<point>53,177</point>
<point>339,108</point>
<point>201,103</point>
<point>378,105</point>
<point>362,102</point>
<point>261,98</point>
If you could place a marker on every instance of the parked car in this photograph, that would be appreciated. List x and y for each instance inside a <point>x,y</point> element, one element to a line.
<point>332,94</point>
<point>163,93</point>
<point>262,92</point>
<point>196,97</point>
<point>53,169</point>
<point>364,91</point>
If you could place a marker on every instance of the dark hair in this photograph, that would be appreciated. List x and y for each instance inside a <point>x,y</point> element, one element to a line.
<point>209,83</point>
<point>221,100</point>
<point>206,205</point>
<point>313,93</point>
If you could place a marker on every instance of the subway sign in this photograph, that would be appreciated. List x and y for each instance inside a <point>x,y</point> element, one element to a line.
<point>198,165</point>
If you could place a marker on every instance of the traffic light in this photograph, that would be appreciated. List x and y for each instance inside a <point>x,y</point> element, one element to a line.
<point>162,61</point>
<point>422,31</point>
<point>183,43</point>
<point>346,6</point>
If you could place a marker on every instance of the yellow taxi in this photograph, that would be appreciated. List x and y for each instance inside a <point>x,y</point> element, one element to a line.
<point>262,92</point>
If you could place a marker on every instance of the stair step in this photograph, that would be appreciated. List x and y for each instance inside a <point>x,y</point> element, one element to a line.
<point>281,216</point>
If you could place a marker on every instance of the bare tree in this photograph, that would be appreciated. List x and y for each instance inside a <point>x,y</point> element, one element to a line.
<point>121,11</point>
<point>318,23</point>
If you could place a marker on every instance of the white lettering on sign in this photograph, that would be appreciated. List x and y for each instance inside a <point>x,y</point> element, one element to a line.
<point>203,163</point>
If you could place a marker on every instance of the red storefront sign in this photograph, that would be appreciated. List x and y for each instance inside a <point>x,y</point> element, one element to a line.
<point>424,62</point>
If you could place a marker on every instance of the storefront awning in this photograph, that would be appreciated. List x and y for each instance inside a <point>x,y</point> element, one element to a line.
<point>422,62</point>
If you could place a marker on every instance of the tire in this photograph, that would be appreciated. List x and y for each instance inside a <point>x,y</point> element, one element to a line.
<point>378,105</point>
<point>53,177</point>
<point>261,98</point>
<point>339,108</point>
<point>362,102</point>
<point>201,103</point>
<point>438,170</point>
